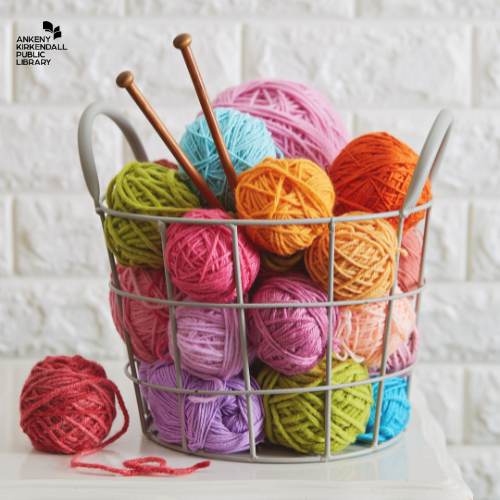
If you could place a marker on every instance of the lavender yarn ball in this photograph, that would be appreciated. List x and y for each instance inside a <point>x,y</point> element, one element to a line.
<point>291,340</point>
<point>216,424</point>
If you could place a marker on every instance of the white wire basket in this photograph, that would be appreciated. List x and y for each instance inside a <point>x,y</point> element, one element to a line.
<point>427,167</point>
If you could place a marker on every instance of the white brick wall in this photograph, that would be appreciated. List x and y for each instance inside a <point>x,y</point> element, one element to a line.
<point>386,64</point>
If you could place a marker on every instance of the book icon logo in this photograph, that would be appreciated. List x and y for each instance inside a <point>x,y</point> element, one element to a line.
<point>47,26</point>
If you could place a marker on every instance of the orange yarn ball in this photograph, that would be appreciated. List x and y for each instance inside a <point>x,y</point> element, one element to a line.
<point>372,174</point>
<point>280,189</point>
<point>361,330</point>
<point>364,262</point>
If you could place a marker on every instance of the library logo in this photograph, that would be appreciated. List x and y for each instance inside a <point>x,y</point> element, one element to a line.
<point>35,50</point>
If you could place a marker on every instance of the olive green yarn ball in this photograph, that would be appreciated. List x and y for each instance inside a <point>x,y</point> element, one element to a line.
<point>147,189</point>
<point>298,420</point>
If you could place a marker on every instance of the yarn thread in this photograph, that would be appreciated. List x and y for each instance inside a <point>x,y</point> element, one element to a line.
<point>372,174</point>
<point>217,425</point>
<point>248,143</point>
<point>68,406</point>
<point>409,265</point>
<point>303,123</point>
<point>365,259</point>
<point>395,413</point>
<point>298,420</point>
<point>200,258</point>
<point>290,340</point>
<point>361,330</point>
<point>280,190</point>
<point>147,189</point>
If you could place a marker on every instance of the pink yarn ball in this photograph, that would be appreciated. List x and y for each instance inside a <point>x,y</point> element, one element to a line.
<point>291,340</point>
<point>200,258</point>
<point>409,265</point>
<point>361,330</point>
<point>209,341</point>
<point>302,122</point>
<point>146,322</point>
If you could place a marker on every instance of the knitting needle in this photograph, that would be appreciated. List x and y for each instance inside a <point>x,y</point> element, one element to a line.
<point>183,43</point>
<point>125,80</point>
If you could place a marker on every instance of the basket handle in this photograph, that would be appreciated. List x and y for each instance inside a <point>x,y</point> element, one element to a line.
<point>85,148</point>
<point>430,159</point>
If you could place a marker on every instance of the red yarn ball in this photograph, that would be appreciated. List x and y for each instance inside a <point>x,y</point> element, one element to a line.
<point>200,258</point>
<point>409,265</point>
<point>67,405</point>
<point>167,163</point>
<point>372,174</point>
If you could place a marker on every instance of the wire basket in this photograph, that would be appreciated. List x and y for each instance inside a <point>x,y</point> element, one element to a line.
<point>427,166</point>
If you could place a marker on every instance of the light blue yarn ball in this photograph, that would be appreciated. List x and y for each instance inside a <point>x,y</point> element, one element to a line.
<point>395,412</point>
<point>248,142</point>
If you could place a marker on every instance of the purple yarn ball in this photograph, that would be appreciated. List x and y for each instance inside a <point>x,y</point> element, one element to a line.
<point>216,424</point>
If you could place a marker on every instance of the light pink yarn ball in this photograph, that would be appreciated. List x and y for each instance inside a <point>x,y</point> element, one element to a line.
<point>209,341</point>
<point>200,258</point>
<point>302,122</point>
<point>146,322</point>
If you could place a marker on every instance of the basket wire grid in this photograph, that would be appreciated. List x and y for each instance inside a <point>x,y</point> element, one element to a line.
<point>427,166</point>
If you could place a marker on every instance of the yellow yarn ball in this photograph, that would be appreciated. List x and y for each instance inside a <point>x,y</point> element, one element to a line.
<point>279,189</point>
<point>298,420</point>
<point>365,259</point>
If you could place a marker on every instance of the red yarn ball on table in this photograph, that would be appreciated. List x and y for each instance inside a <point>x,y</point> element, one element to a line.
<point>372,174</point>
<point>67,405</point>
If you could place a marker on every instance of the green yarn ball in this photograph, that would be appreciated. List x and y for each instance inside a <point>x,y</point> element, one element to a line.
<point>298,420</point>
<point>147,189</point>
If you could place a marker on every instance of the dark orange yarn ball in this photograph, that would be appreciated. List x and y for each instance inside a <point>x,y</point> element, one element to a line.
<point>372,174</point>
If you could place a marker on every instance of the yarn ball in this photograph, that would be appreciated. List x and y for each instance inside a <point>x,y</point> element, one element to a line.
<point>361,330</point>
<point>364,262</point>
<point>290,340</point>
<point>404,356</point>
<point>281,190</point>
<point>200,258</point>
<point>409,265</point>
<point>147,189</point>
<point>303,123</point>
<point>298,420</point>
<point>278,264</point>
<point>146,322</point>
<point>395,412</point>
<point>373,173</point>
<point>67,405</point>
<point>209,341</point>
<point>217,425</point>
<point>248,142</point>
<point>167,163</point>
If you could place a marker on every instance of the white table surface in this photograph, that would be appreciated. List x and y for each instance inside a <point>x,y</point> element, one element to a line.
<point>417,467</point>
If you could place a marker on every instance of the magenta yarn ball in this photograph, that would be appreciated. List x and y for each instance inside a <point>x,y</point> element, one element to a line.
<point>200,258</point>
<point>290,340</point>
<point>302,122</point>
<point>209,341</point>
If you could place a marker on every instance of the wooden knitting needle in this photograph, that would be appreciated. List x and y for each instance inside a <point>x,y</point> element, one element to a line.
<point>183,42</point>
<point>125,80</point>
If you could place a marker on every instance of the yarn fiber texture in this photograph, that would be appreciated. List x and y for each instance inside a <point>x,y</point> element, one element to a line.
<point>404,356</point>
<point>303,123</point>
<point>298,420</point>
<point>373,173</point>
<point>217,425</point>
<point>209,341</point>
<point>395,413</point>
<point>290,340</point>
<point>280,190</point>
<point>409,265</point>
<point>248,142</point>
<point>146,322</point>
<point>200,258</point>
<point>147,189</point>
<point>365,259</point>
<point>361,330</point>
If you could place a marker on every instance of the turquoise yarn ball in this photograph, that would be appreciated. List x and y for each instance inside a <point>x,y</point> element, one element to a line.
<point>395,410</point>
<point>248,142</point>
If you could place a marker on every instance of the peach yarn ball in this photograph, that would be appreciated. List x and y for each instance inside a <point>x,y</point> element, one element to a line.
<point>361,330</point>
<point>281,189</point>
<point>365,259</point>
<point>372,174</point>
